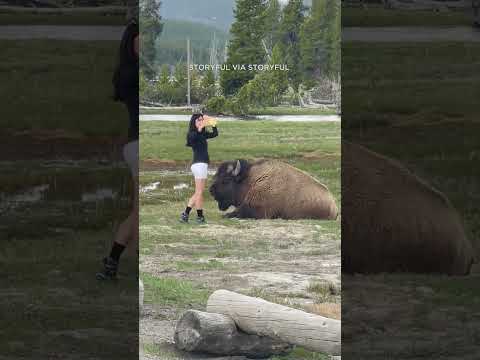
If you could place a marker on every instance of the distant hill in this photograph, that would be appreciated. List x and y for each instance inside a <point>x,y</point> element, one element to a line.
<point>171,46</point>
<point>179,30</point>
<point>218,13</point>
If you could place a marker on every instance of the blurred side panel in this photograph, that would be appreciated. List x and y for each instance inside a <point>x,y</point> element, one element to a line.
<point>410,180</point>
<point>64,186</point>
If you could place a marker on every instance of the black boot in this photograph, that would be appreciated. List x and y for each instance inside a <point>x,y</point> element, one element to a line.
<point>109,272</point>
<point>201,220</point>
<point>184,217</point>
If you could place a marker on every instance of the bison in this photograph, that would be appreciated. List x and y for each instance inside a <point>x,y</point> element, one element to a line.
<point>267,189</point>
<point>392,221</point>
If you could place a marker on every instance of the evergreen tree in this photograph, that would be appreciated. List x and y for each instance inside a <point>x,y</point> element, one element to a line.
<point>208,85</point>
<point>278,79</point>
<point>313,50</point>
<point>292,20</point>
<point>143,86</point>
<point>164,75</point>
<point>163,88</point>
<point>321,42</point>
<point>180,84</point>
<point>265,89</point>
<point>273,14</point>
<point>245,46</point>
<point>150,29</point>
<point>333,36</point>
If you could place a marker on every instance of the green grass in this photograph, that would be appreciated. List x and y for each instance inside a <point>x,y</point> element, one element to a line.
<point>168,291</point>
<point>281,140</point>
<point>284,110</point>
<point>378,16</point>
<point>166,111</point>
<point>417,103</point>
<point>77,18</point>
<point>75,74</point>
<point>49,291</point>
<point>279,110</point>
<point>323,292</point>
<point>409,82</point>
<point>198,260</point>
<point>427,96</point>
<point>444,291</point>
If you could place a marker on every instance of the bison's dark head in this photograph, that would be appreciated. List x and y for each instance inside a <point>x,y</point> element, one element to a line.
<point>226,183</point>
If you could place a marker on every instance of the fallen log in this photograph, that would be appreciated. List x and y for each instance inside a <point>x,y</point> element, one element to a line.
<point>260,317</point>
<point>217,334</point>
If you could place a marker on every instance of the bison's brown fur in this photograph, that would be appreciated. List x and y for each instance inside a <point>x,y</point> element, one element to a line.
<point>393,221</point>
<point>271,189</point>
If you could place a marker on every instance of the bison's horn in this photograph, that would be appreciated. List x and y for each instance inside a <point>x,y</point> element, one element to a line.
<point>237,169</point>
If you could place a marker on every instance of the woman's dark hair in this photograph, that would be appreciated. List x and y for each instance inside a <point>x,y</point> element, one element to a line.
<point>192,128</point>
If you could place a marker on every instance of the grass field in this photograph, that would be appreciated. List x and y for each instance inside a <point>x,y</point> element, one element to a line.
<point>55,225</point>
<point>60,85</point>
<point>61,19</point>
<point>378,16</point>
<point>280,110</point>
<point>61,16</point>
<point>54,307</point>
<point>183,264</point>
<point>418,104</point>
<point>425,95</point>
<point>53,241</point>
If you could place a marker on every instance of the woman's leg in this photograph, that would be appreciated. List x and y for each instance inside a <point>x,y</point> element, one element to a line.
<point>128,229</point>
<point>127,233</point>
<point>192,201</point>
<point>199,188</point>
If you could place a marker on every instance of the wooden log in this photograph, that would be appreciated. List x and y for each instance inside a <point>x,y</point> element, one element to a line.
<point>260,317</point>
<point>198,331</point>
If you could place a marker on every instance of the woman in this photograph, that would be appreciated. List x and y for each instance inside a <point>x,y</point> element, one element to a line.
<point>125,81</point>
<point>197,139</point>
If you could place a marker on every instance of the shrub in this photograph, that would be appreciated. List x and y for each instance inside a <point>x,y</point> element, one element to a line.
<point>216,105</point>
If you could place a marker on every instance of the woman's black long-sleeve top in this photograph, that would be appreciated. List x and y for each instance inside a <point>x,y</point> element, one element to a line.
<point>198,142</point>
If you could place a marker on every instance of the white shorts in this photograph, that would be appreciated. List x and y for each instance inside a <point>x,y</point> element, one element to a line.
<point>200,170</point>
<point>130,155</point>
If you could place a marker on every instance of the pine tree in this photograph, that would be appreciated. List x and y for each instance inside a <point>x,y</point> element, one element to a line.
<point>143,86</point>
<point>333,36</point>
<point>208,85</point>
<point>245,46</point>
<point>150,30</point>
<point>265,89</point>
<point>273,14</point>
<point>278,79</point>
<point>313,49</point>
<point>292,20</point>
<point>180,84</point>
<point>164,75</point>
<point>163,87</point>
<point>321,41</point>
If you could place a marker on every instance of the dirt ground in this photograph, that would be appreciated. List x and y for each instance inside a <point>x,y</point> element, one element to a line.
<point>295,263</point>
<point>410,317</point>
